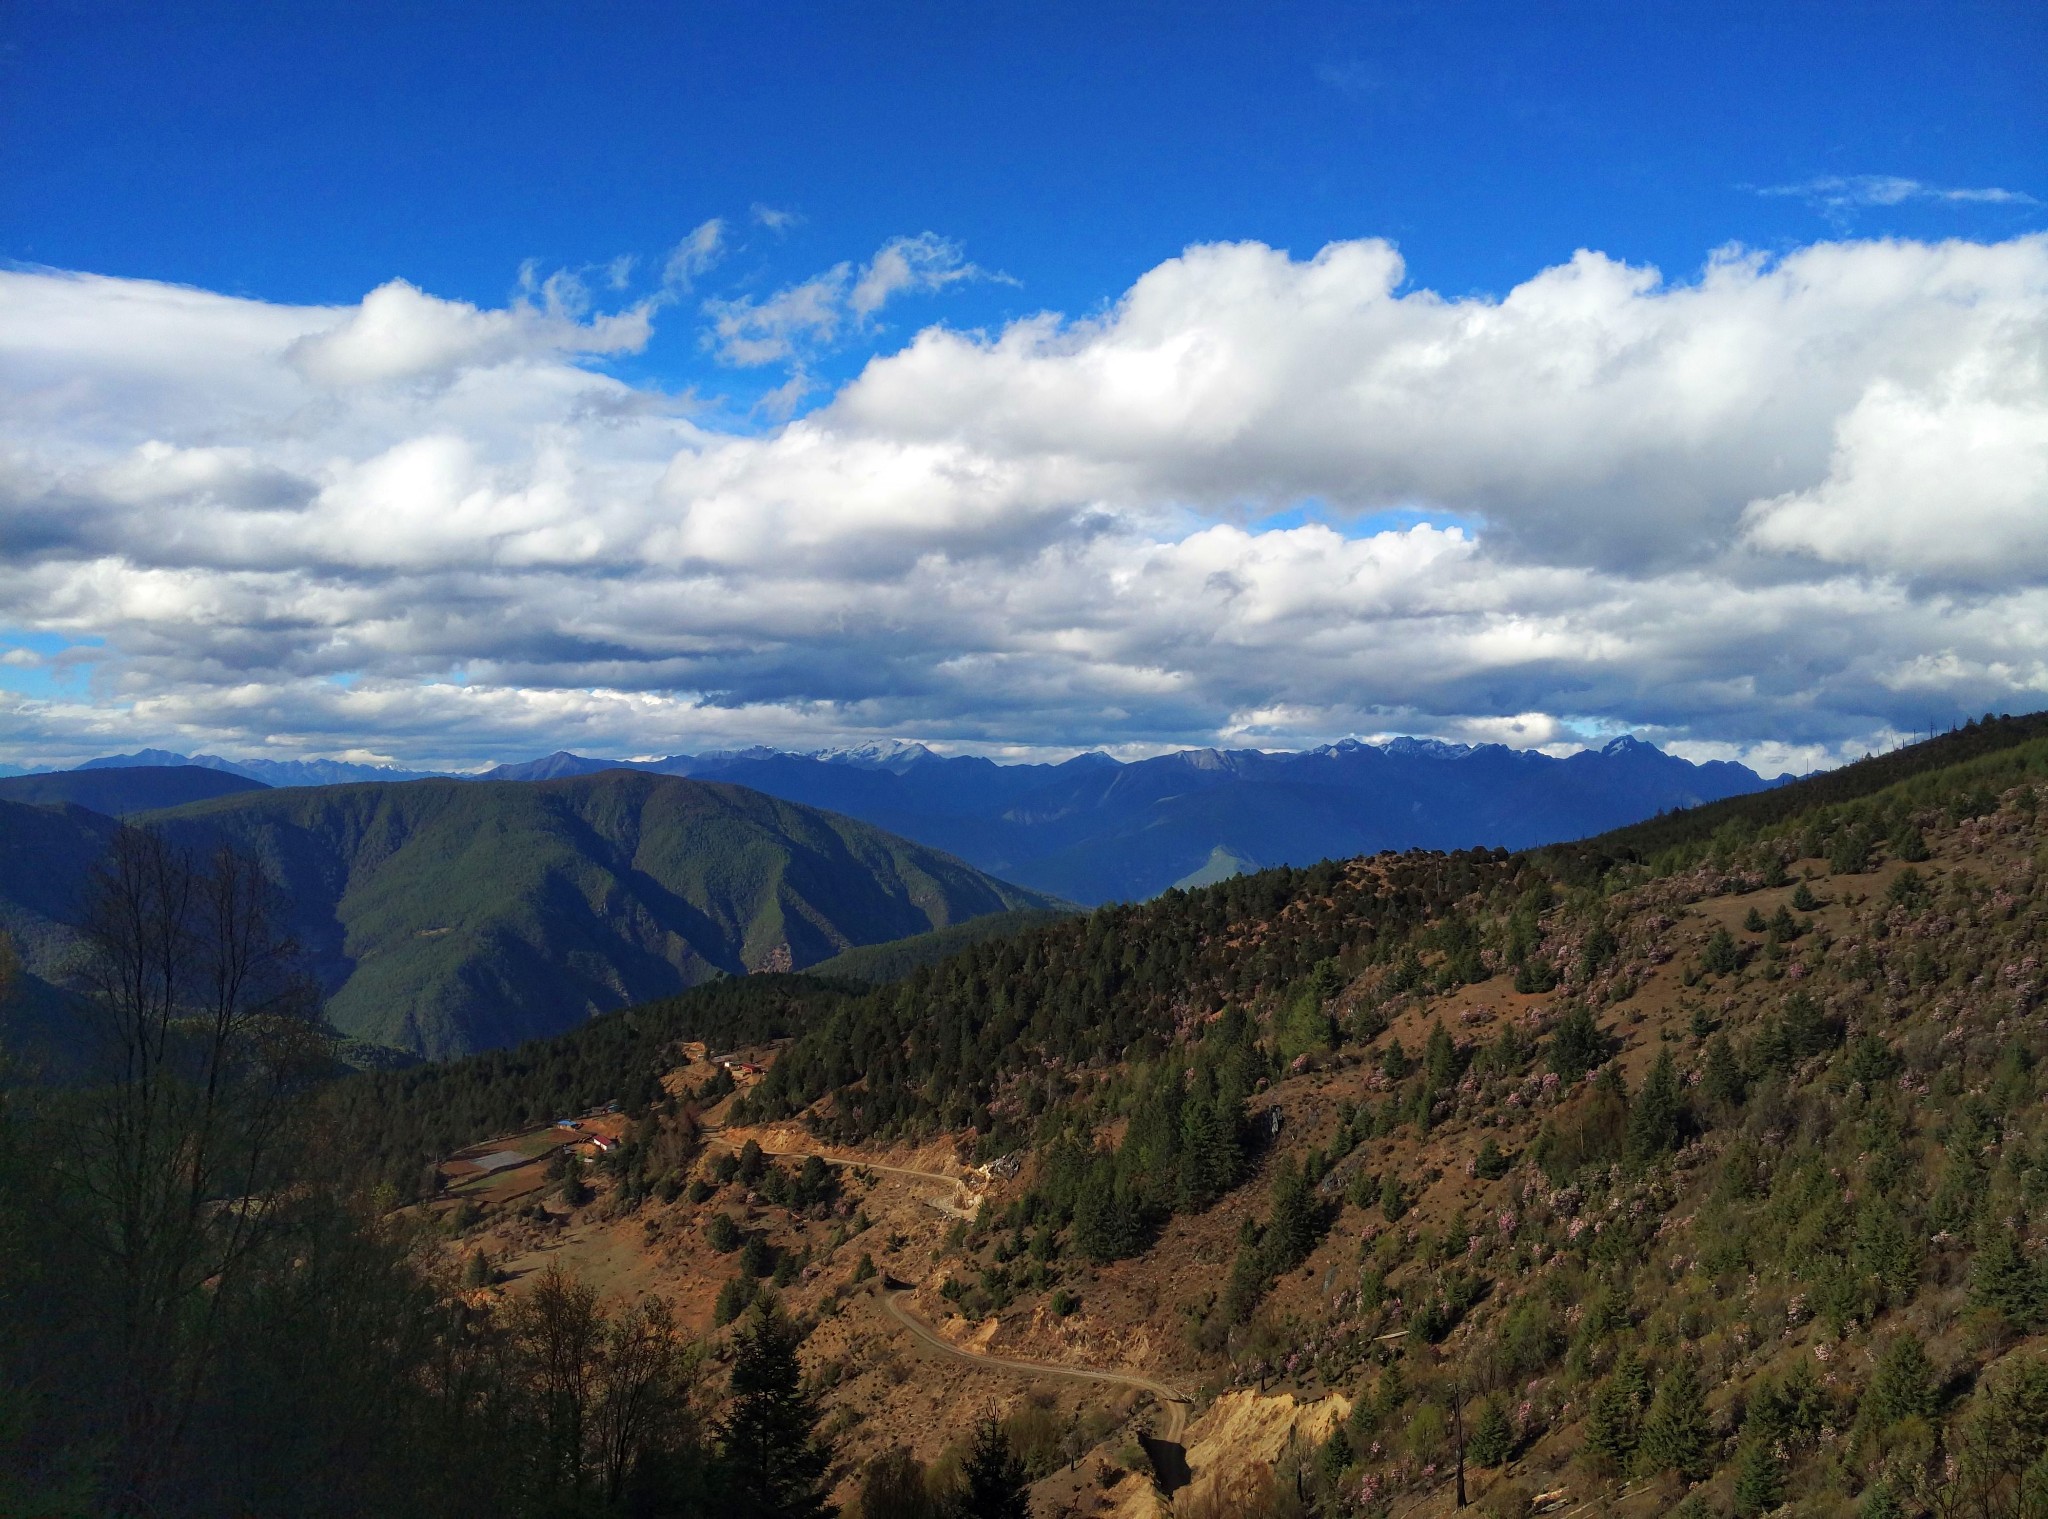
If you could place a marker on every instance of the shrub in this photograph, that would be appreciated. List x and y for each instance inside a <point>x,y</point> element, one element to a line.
<point>733,1299</point>
<point>757,1257</point>
<point>722,1234</point>
<point>1720,957</point>
<point>1492,1164</point>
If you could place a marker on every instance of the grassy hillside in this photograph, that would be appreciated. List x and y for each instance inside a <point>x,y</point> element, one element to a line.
<point>449,916</point>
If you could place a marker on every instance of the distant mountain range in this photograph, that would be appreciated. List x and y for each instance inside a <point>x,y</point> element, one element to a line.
<point>1094,829</point>
<point>132,788</point>
<point>443,917</point>
<point>269,772</point>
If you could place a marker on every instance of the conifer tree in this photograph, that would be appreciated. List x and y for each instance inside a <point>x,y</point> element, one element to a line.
<point>1722,1081</point>
<point>1676,1437</point>
<point>1577,1045</point>
<point>1902,1386</point>
<point>1393,1197</point>
<point>996,1483</point>
<point>773,1462</point>
<point>1720,957</point>
<point>1759,1479</point>
<point>1653,1117</point>
<point>1440,1061</point>
<point>1493,1439</point>
<point>1614,1427</point>
<point>1203,1170</point>
<point>2002,1278</point>
<point>1888,1252</point>
<point>1297,1223</point>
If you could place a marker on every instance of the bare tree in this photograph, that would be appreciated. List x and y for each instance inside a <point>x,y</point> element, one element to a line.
<point>206,1025</point>
<point>558,1327</point>
<point>646,1391</point>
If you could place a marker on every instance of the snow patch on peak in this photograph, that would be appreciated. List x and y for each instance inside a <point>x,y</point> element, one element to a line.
<point>880,754</point>
<point>1426,748</point>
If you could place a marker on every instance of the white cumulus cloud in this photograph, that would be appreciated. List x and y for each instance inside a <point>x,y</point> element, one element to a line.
<point>399,332</point>
<point>1785,507</point>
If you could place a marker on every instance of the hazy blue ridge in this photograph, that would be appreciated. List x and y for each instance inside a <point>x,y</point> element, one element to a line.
<point>134,788</point>
<point>1093,830</point>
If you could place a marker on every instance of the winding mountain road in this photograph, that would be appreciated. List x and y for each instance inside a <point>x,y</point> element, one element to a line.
<point>1171,1399</point>
<point>855,1163</point>
<point>1174,1401</point>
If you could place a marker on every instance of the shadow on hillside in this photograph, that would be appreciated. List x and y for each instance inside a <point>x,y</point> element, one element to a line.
<point>1169,1460</point>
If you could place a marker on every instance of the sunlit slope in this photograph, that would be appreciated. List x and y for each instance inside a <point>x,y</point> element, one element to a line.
<point>449,916</point>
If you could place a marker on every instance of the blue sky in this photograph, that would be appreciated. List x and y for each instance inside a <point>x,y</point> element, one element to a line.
<point>1398,462</point>
<point>307,153</point>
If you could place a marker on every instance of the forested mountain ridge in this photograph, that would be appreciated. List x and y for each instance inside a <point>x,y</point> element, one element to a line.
<point>442,917</point>
<point>1093,829</point>
<point>128,789</point>
<point>1711,1177</point>
<point>1700,1172</point>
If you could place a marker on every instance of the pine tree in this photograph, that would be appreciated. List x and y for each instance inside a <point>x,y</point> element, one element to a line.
<point>476,1271</point>
<point>996,1483</point>
<point>1107,1221</point>
<point>1393,1198</point>
<point>1440,1062</point>
<point>1676,1437</point>
<point>1614,1426</point>
<point>1722,1081</point>
<point>1759,1479</point>
<point>1297,1224</point>
<point>1806,1030</point>
<point>1653,1118</point>
<point>1493,1438</point>
<point>1903,1384</point>
<point>1879,1502</point>
<point>1577,1045</point>
<point>773,1462</point>
<point>1889,1252</point>
<point>2002,1278</point>
<point>1720,957</point>
<point>1202,1168</point>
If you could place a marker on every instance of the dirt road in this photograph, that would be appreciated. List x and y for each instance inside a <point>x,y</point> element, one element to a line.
<point>1171,1399</point>
<point>851,1162</point>
<point>856,1163</point>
